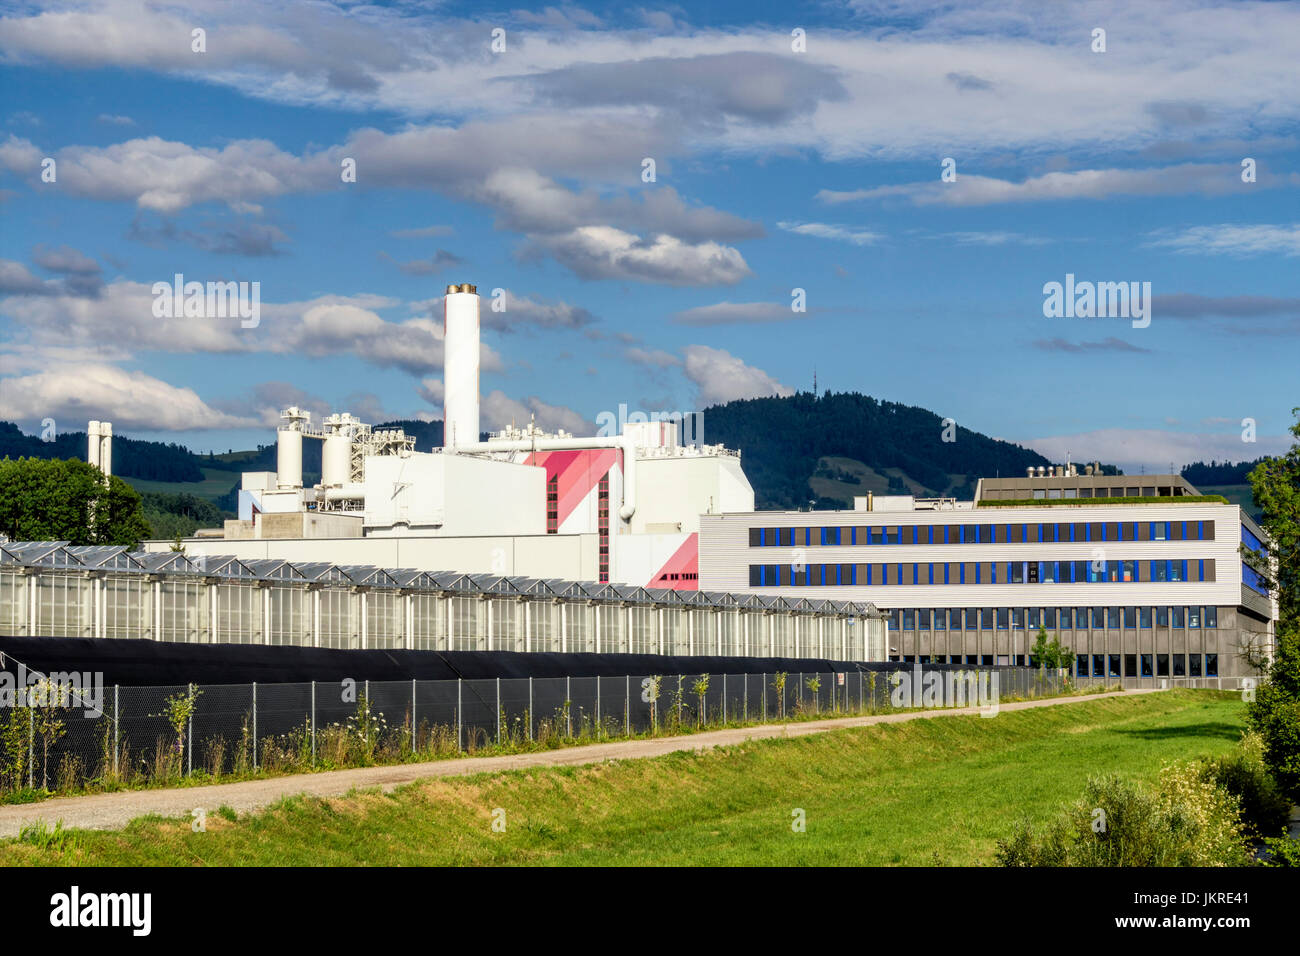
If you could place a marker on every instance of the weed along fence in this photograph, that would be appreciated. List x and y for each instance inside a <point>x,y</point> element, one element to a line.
<point>59,737</point>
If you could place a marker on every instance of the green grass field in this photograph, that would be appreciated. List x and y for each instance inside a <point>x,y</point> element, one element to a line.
<point>216,482</point>
<point>915,793</point>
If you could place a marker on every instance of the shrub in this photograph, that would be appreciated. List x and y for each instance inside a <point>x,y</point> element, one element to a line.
<point>1283,851</point>
<point>1275,713</point>
<point>1187,821</point>
<point>1265,810</point>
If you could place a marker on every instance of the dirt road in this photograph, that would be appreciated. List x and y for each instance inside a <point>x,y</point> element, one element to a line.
<point>112,811</point>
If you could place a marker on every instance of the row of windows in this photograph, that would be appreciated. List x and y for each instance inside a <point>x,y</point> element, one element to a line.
<point>1019,533</point>
<point>1095,665</point>
<point>1052,618</point>
<point>980,572</point>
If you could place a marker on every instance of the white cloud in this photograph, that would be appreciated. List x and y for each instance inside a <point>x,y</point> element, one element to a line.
<point>1233,240</point>
<point>728,313</point>
<point>79,392</point>
<point>822,230</point>
<point>122,317</point>
<point>1206,179</point>
<point>651,358</point>
<point>954,75</point>
<point>499,410</point>
<point>602,252</point>
<point>721,377</point>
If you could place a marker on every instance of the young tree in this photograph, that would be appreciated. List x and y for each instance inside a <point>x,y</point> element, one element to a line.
<point>1049,654</point>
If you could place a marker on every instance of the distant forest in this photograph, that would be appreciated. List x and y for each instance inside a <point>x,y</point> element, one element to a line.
<point>781,440</point>
<point>132,458</point>
<point>1219,473</point>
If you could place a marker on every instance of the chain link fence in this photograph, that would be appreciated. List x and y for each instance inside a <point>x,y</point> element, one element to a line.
<point>121,736</point>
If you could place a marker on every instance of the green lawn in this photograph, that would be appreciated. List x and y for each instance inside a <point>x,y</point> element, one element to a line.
<point>914,793</point>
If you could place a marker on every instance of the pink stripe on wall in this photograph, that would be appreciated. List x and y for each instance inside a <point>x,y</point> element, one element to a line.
<point>685,561</point>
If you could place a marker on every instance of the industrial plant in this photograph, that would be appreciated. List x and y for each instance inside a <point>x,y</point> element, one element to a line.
<point>623,508</point>
<point>637,542</point>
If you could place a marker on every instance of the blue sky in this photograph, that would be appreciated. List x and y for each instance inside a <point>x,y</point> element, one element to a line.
<point>776,169</point>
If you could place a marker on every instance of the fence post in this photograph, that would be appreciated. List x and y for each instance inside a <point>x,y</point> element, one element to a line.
<point>498,711</point>
<point>568,708</point>
<point>745,697</point>
<point>31,745</point>
<point>763,686</point>
<point>313,725</point>
<point>413,724</point>
<point>458,722</point>
<point>254,726</point>
<point>627,706</point>
<point>189,735</point>
<point>115,725</point>
<point>860,690</point>
<point>724,697</point>
<point>530,707</point>
<point>599,727</point>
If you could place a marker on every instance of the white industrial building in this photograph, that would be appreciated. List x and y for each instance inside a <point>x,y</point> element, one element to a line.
<point>621,508</point>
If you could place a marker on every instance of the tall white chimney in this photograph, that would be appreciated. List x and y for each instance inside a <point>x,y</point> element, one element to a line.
<point>106,448</point>
<point>92,444</point>
<point>460,366</point>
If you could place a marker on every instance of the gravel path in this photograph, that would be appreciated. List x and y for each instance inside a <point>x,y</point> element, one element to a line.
<point>112,811</point>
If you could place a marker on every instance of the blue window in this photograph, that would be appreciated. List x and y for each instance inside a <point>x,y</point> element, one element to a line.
<point>945,573</point>
<point>1176,617</point>
<point>1210,617</point>
<point>1253,579</point>
<point>1211,665</point>
<point>961,571</point>
<point>930,533</point>
<point>915,573</point>
<point>853,535</point>
<point>909,619</point>
<point>977,571</point>
<point>931,574</point>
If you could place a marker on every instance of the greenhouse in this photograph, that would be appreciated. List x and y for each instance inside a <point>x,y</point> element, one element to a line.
<point>54,589</point>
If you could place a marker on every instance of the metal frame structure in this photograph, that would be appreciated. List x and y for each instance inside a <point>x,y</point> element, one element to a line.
<point>55,589</point>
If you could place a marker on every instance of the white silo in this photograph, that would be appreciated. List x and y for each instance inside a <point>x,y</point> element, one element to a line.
<point>288,460</point>
<point>460,366</point>
<point>336,461</point>
<point>92,444</point>
<point>288,442</point>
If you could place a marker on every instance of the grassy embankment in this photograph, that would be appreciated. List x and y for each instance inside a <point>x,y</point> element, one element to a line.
<point>916,793</point>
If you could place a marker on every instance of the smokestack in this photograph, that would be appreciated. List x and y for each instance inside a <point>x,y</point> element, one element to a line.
<point>460,366</point>
<point>106,448</point>
<point>92,444</point>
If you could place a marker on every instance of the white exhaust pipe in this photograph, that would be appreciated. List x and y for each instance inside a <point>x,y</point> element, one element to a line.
<point>106,448</point>
<point>92,444</point>
<point>460,366</point>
